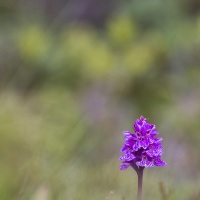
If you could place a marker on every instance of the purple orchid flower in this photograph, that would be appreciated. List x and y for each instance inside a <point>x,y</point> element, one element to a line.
<point>141,149</point>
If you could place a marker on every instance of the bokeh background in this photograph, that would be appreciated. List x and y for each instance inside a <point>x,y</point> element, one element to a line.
<point>74,74</point>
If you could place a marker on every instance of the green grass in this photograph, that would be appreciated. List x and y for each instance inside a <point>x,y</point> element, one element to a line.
<point>49,150</point>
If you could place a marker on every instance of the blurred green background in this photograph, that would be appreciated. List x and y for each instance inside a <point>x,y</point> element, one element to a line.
<point>74,74</point>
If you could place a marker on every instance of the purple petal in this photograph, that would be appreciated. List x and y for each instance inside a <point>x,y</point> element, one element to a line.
<point>145,163</point>
<point>125,148</point>
<point>129,136</point>
<point>155,150</point>
<point>124,166</point>
<point>157,140</point>
<point>143,143</point>
<point>159,162</point>
<point>153,132</point>
<point>135,146</point>
<point>127,133</point>
<point>121,157</point>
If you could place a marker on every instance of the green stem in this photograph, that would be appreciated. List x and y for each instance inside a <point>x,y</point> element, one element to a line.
<point>140,177</point>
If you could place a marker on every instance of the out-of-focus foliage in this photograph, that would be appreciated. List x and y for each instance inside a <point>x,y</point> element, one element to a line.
<point>122,30</point>
<point>75,74</point>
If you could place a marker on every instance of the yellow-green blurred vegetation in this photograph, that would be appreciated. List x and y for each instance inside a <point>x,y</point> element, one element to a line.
<point>75,74</point>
